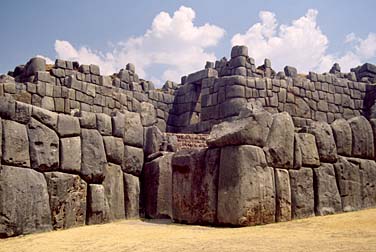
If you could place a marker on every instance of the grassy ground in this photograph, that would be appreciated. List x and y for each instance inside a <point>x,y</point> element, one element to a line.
<point>353,232</point>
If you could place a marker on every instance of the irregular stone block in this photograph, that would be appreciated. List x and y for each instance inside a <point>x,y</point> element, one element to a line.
<point>67,199</point>
<point>131,196</point>
<point>68,126</point>
<point>362,138</point>
<point>279,148</point>
<point>157,187</point>
<point>302,194</point>
<point>93,156</point>
<point>327,198</point>
<point>290,71</point>
<point>114,191</point>
<point>87,120</point>
<point>34,65</point>
<point>309,152</point>
<point>283,195</point>
<point>368,182</point>
<point>200,75</point>
<point>133,133</point>
<point>148,114</point>
<point>246,193</point>
<point>97,205</point>
<point>324,141</point>
<point>349,184</point>
<point>24,204</point>
<point>70,154</point>
<point>239,51</point>
<point>7,108</point>
<point>114,147</point>
<point>153,140</point>
<point>118,124</point>
<point>104,124</point>
<point>44,147</point>
<point>15,144</point>
<point>133,160</point>
<point>94,69</point>
<point>46,117</point>
<point>343,136</point>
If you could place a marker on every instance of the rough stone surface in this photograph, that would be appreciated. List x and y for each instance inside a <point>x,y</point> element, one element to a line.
<point>93,156</point>
<point>34,65</point>
<point>133,160</point>
<point>97,205</point>
<point>24,204</point>
<point>244,169</point>
<point>308,149</point>
<point>327,197</point>
<point>46,117</point>
<point>114,191</point>
<point>118,124</point>
<point>362,138</point>
<point>283,195</point>
<point>153,140</point>
<point>325,141</point>
<point>68,126</point>
<point>148,114</point>
<point>279,148</point>
<point>133,133</point>
<point>70,154</point>
<point>67,199</point>
<point>104,125</point>
<point>114,147</point>
<point>131,196</point>
<point>368,182</point>
<point>343,137</point>
<point>15,144</point>
<point>302,193</point>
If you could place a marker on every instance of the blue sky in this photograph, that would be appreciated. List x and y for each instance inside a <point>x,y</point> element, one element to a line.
<point>166,39</point>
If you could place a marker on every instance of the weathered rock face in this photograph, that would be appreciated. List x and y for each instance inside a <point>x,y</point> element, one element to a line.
<point>368,182</point>
<point>307,145</point>
<point>362,138</point>
<point>349,184</point>
<point>302,194</point>
<point>148,115</point>
<point>133,160</point>
<point>68,126</point>
<point>279,148</point>
<point>153,140</point>
<point>343,137</point>
<point>283,195</point>
<point>70,154</point>
<point>44,147</point>
<point>93,156</point>
<point>133,130</point>
<point>327,198</point>
<point>97,205</point>
<point>15,144</point>
<point>24,204</point>
<point>246,194</point>
<point>114,191</point>
<point>157,187</point>
<point>325,141</point>
<point>131,196</point>
<point>104,124</point>
<point>114,147</point>
<point>67,199</point>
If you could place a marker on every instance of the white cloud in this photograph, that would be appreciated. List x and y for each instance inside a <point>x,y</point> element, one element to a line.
<point>48,60</point>
<point>301,44</point>
<point>173,42</point>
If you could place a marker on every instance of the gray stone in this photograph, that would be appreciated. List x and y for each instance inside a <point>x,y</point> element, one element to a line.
<point>283,195</point>
<point>133,133</point>
<point>279,148</point>
<point>130,67</point>
<point>131,196</point>
<point>24,204</point>
<point>324,141</point>
<point>327,198</point>
<point>93,156</point>
<point>46,117</point>
<point>44,147</point>
<point>94,69</point>
<point>67,195</point>
<point>290,71</point>
<point>302,193</point>
<point>133,160</point>
<point>157,189</point>
<point>362,138</point>
<point>7,108</point>
<point>244,169</point>
<point>239,51</point>
<point>70,154</point>
<point>368,182</point>
<point>349,184</point>
<point>114,147</point>
<point>97,205</point>
<point>68,126</point>
<point>105,81</point>
<point>118,124</point>
<point>308,149</point>
<point>197,77</point>
<point>34,65</point>
<point>15,144</point>
<point>104,124</point>
<point>153,140</point>
<point>343,136</point>
<point>23,113</point>
<point>87,120</point>
<point>114,191</point>
<point>148,114</point>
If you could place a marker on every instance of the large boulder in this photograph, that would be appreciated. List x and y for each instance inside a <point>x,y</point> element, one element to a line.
<point>97,205</point>
<point>67,199</point>
<point>368,182</point>
<point>70,154</point>
<point>279,148</point>
<point>246,194</point>
<point>157,187</point>
<point>93,156</point>
<point>44,146</point>
<point>283,195</point>
<point>324,141</point>
<point>133,130</point>
<point>148,114</point>
<point>328,200</point>
<point>104,124</point>
<point>349,184</point>
<point>114,191</point>
<point>68,126</point>
<point>153,140</point>
<point>131,196</point>
<point>133,160</point>
<point>114,147</point>
<point>343,137</point>
<point>46,117</point>
<point>15,144</point>
<point>362,138</point>
<point>34,65</point>
<point>309,154</point>
<point>302,194</point>
<point>24,204</point>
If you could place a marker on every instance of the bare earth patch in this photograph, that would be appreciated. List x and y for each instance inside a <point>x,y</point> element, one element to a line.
<point>354,231</point>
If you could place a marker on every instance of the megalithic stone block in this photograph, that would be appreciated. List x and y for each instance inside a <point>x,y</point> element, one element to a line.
<point>302,194</point>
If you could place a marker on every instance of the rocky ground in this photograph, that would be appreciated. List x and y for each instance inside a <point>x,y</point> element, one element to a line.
<point>355,231</point>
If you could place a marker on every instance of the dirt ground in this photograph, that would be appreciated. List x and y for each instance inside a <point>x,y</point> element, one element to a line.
<point>353,232</point>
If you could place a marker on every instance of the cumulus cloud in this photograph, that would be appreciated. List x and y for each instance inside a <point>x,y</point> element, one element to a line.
<point>174,43</point>
<point>301,44</point>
